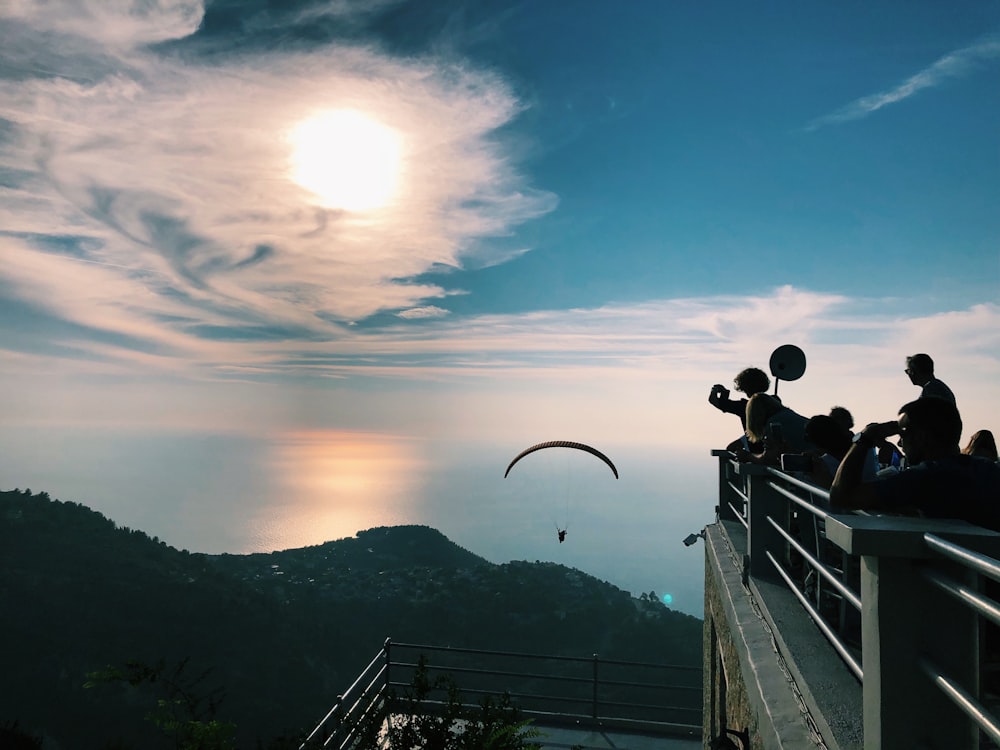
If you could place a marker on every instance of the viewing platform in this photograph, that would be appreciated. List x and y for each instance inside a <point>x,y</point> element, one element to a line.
<point>845,630</point>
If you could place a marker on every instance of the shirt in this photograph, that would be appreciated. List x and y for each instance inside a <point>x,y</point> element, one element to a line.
<point>935,388</point>
<point>960,486</point>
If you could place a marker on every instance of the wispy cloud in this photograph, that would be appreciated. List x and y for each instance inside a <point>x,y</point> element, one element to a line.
<point>621,372</point>
<point>427,311</point>
<point>953,65</point>
<point>116,23</point>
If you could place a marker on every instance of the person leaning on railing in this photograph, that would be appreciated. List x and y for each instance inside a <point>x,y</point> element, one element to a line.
<point>939,481</point>
<point>833,440</point>
<point>774,426</point>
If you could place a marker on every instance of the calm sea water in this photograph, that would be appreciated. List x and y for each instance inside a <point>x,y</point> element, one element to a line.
<point>225,493</point>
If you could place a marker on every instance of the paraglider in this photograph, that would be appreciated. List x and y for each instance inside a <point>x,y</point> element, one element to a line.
<point>561,529</point>
<point>562,444</point>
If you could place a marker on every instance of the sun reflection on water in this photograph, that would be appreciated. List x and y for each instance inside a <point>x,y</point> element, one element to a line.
<point>331,484</point>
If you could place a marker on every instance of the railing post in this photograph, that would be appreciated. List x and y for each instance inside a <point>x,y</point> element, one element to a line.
<point>761,535</point>
<point>722,510</point>
<point>593,706</point>
<point>901,616</point>
<point>904,620</point>
<point>387,682</point>
<point>386,648</point>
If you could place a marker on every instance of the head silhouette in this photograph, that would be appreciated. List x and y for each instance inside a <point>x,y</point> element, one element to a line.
<point>842,417</point>
<point>919,368</point>
<point>829,435</point>
<point>982,443</point>
<point>751,381</point>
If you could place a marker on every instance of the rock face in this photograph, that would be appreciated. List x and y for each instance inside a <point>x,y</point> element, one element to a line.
<point>279,635</point>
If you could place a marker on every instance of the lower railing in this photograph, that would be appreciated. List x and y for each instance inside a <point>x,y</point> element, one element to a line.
<point>651,699</point>
<point>909,604</point>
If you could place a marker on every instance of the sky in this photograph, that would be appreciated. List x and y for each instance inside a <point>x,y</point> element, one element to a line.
<point>489,222</point>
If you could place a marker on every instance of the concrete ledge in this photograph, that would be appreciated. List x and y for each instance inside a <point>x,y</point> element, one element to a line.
<point>902,536</point>
<point>831,692</point>
<point>777,718</point>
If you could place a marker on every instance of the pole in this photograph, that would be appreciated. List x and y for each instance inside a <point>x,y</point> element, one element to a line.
<point>593,707</point>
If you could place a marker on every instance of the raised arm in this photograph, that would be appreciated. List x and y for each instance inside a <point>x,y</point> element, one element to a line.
<point>719,397</point>
<point>848,489</point>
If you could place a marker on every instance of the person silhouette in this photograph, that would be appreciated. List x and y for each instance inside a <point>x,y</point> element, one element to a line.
<point>561,534</point>
<point>750,381</point>
<point>920,371</point>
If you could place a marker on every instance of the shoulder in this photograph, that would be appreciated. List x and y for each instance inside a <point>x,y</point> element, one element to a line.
<point>937,388</point>
<point>785,413</point>
<point>941,486</point>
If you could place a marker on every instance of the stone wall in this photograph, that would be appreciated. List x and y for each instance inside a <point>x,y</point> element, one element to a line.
<point>726,703</point>
<point>747,685</point>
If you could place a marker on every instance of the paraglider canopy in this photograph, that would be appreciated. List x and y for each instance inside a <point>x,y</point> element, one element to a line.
<point>562,444</point>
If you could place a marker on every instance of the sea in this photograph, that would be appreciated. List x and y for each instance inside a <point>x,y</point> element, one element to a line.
<point>218,493</point>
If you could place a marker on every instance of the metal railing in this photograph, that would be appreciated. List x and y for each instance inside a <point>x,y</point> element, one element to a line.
<point>654,699</point>
<point>366,700</point>
<point>891,595</point>
<point>971,598</point>
<point>794,547</point>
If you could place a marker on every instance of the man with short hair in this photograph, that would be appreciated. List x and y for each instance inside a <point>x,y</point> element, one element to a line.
<point>940,482</point>
<point>842,417</point>
<point>920,369</point>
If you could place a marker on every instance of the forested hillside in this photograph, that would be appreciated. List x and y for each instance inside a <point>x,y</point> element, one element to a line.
<point>280,634</point>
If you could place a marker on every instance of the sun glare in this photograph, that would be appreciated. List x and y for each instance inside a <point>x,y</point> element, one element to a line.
<point>347,159</point>
<point>336,483</point>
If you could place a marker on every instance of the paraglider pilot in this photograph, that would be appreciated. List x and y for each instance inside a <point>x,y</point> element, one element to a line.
<point>562,534</point>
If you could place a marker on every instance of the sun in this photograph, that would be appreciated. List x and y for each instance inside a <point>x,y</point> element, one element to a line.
<point>347,159</point>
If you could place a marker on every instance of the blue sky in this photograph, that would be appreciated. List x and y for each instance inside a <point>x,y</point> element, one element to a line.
<point>595,211</point>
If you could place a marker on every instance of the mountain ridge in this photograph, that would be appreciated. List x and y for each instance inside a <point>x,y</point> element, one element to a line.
<point>281,632</point>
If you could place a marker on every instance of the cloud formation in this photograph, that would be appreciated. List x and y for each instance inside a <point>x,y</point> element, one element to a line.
<point>953,65</point>
<point>427,311</point>
<point>115,23</point>
<point>164,179</point>
<point>152,237</point>
<point>637,372</point>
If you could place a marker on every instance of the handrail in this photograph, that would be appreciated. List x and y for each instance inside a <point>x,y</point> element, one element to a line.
<point>801,502</point>
<point>982,604</point>
<point>812,489</point>
<point>819,567</point>
<point>559,678</point>
<point>358,702</point>
<point>595,679</point>
<point>337,708</point>
<point>546,657</point>
<point>801,496</point>
<point>961,698</point>
<point>973,560</point>
<point>846,655</point>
